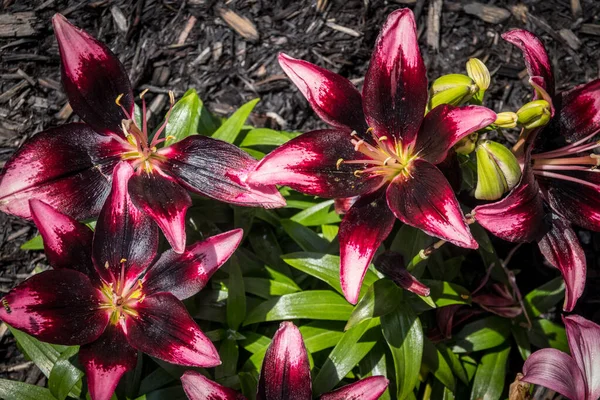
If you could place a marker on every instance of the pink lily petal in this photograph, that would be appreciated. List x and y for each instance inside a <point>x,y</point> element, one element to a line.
<point>285,372</point>
<point>395,89</point>
<point>93,78</point>
<point>362,230</point>
<point>310,164</point>
<point>561,248</point>
<point>68,167</point>
<point>165,330</point>
<point>556,371</point>
<point>366,389</point>
<point>534,53</point>
<point>391,264</point>
<point>219,170</point>
<point>184,275</point>
<point>445,125</point>
<point>579,111</point>
<point>67,242</point>
<point>584,342</point>
<point>424,199</point>
<point>106,360</point>
<point>165,201</point>
<point>198,387</point>
<point>333,97</point>
<point>343,204</point>
<point>59,307</point>
<point>125,237</point>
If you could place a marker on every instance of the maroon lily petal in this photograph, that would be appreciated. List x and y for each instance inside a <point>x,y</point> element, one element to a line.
<point>424,199</point>
<point>285,372</point>
<point>68,167</point>
<point>106,360</point>
<point>125,237</point>
<point>164,329</point>
<point>584,342</point>
<point>534,53</point>
<point>362,230</point>
<point>93,78</point>
<point>311,164</point>
<point>198,387</point>
<point>366,389</point>
<point>556,371</point>
<point>395,89</point>
<point>218,169</point>
<point>59,307</point>
<point>184,275</point>
<point>579,111</point>
<point>561,248</point>
<point>67,242</point>
<point>165,200</point>
<point>343,204</point>
<point>333,97</point>
<point>445,125</point>
<point>391,264</point>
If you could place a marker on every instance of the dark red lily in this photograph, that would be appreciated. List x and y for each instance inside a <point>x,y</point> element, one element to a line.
<point>285,375</point>
<point>560,184</point>
<point>575,376</point>
<point>381,148</point>
<point>109,295</point>
<point>70,167</point>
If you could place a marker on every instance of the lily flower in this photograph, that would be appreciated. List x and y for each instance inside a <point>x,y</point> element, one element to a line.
<point>285,375</point>
<point>70,167</point>
<point>575,376</point>
<point>382,148</point>
<point>109,295</point>
<point>560,184</point>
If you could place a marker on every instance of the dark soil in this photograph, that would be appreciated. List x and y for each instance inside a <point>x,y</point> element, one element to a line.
<point>227,70</point>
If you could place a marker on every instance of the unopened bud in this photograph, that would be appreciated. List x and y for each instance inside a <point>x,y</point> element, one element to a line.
<point>534,114</point>
<point>391,264</point>
<point>498,170</point>
<point>467,144</point>
<point>477,71</point>
<point>506,120</point>
<point>451,89</point>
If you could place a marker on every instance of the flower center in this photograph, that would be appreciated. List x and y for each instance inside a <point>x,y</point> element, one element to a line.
<point>121,297</point>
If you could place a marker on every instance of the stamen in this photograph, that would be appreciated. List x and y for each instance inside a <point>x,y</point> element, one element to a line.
<point>565,178</point>
<point>572,148</point>
<point>118,102</point>
<point>381,139</point>
<point>387,160</point>
<point>358,144</point>
<point>338,163</point>
<point>155,139</point>
<point>143,93</point>
<point>144,119</point>
<point>358,173</point>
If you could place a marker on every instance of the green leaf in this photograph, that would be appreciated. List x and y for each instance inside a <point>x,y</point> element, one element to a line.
<point>375,363</point>
<point>184,118</point>
<point>171,393</point>
<point>482,334</point>
<point>64,375</point>
<point>437,364</point>
<point>447,293</point>
<point>305,237</point>
<point>254,342</point>
<point>35,243</point>
<point>330,231</point>
<point>249,383</point>
<point>13,390</point>
<point>236,298</point>
<point>229,353</point>
<point>522,340</point>
<point>489,378</point>
<point>409,241</point>
<point>542,299</point>
<point>232,127</point>
<point>454,363</point>
<point>320,335</point>
<point>267,288</point>
<point>243,217</point>
<point>319,214</point>
<point>312,304</point>
<point>404,336</point>
<point>382,297</point>
<point>355,344</point>
<point>155,380</point>
<point>266,137</point>
<point>265,246</point>
<point>545,333</point>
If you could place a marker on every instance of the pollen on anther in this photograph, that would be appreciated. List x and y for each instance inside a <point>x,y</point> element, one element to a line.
<point>118,99</point>
<point>358,144</point>
<point>171,97</point>
<point>381,139</point>
<point>338,163</point>
<point>358,173</point>
<point>122,260</point>
<point>106,265</point>
<point>143,93</point>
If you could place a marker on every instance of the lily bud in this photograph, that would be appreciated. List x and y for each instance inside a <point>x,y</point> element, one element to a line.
<point>506,120</point>
<point>534,114</point>
<point>467,144</point>
<point>391,264</point>
<point>477,71</point>
<point>498,170</point>
<point>451,89</point>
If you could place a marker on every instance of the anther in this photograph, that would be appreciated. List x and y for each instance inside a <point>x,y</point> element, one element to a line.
<point>381,139</point>
<point>118,99</point>
<point>106,265</point>
<point>123,260</point>
<point>358,173</point>
<point>143,93</point>
<point>171,97</point>
<point>338,163</point>
<point>358,144</point>
<point>354,134</point>
<point>387,160</point>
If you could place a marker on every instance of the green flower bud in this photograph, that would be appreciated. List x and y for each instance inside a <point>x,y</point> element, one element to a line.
<point>498,170</point>
<point>467,144</point>
<point>477,71</point>
<point>506,120</point>
<point>451,89</point>
<point>534,114</point>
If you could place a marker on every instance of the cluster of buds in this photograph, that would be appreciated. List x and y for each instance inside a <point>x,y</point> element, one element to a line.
<point>457,89</point>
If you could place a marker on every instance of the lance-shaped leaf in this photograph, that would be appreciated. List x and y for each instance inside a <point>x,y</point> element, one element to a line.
<point>198,387</point>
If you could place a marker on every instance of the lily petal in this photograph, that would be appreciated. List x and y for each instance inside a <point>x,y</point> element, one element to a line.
<point>535,55</point>
<point>561,248</point>
<point>198,387</point>
<point>184,275</point>
<point>362,230</point>
<point>285,372</point>
<point>106,360</point>
<point>424,199</point>
<point>334,98</point>
<point>93,78</point>
<point>579,111</point>
<point>164,329</point>
<point>445,125</point>
<point>165,201</point>
<point>584,342</point>
<point>395,89</point>
<point>67,242</point>
<point>218,169</point>
<point>310,163</point>
<point>366,389</point>
<point>556,371</point>
<point>124,234</point>
<point>68,167</point>
<point>59,307</point>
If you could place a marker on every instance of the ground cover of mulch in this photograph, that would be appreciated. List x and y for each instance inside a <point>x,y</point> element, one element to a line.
<point>227,51</point>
